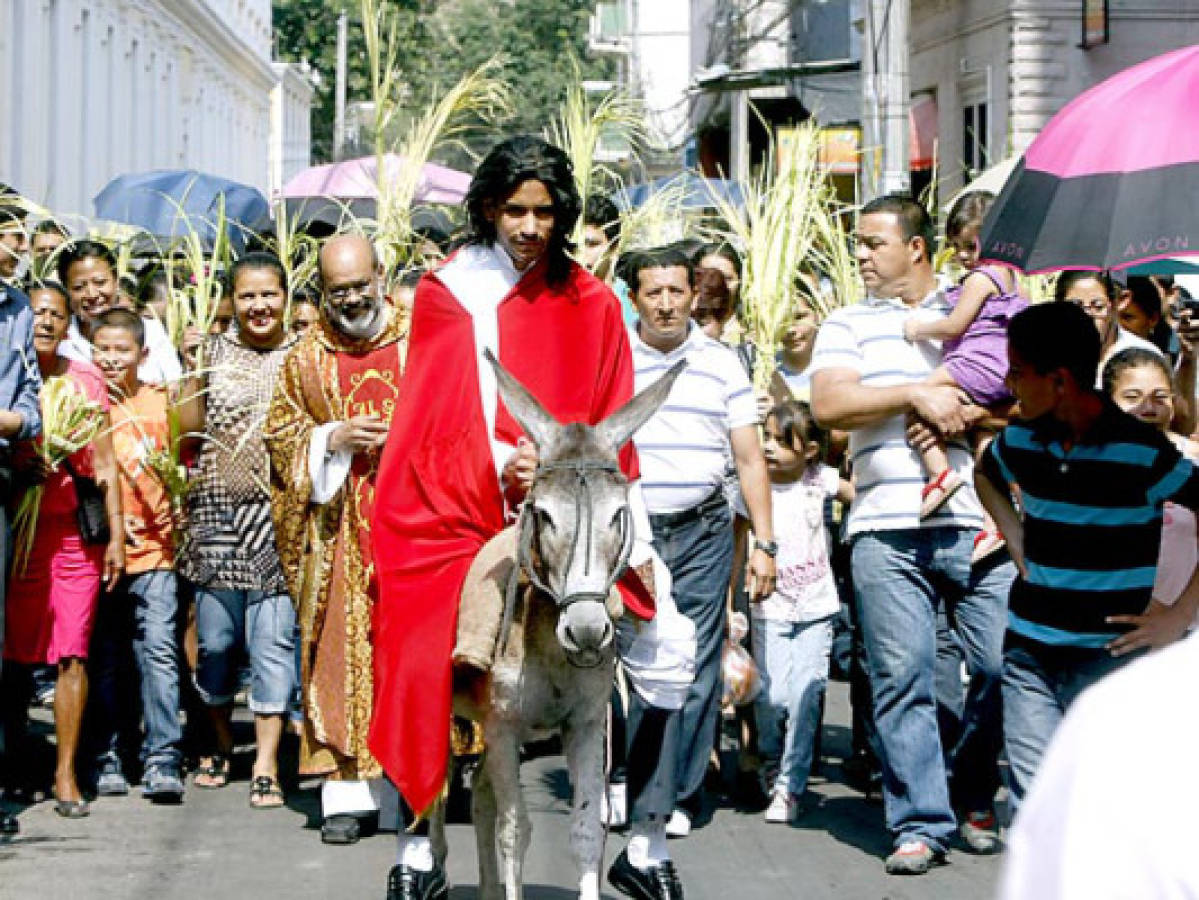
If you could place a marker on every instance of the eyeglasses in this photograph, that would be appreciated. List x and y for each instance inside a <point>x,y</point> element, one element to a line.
<point>359,289</point>
<point>1090,306</point>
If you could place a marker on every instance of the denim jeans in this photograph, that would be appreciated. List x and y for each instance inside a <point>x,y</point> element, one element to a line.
<point>156,648</point>
<point>699,554</point>
<point>137,623</point>
<point>793,659</point>
<point>1039,684</point>
<point>900,580</point>
<point>263,625</point>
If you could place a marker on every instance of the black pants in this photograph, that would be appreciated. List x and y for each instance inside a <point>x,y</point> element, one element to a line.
<point>653,751</point>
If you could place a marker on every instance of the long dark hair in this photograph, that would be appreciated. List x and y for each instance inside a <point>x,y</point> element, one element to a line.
<point>516,160</point>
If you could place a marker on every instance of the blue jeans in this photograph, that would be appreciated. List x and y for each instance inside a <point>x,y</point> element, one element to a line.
<point>793,659</point>
<point>1039,684</point>
<point>900,579</point>
<point>699,554</point>
<point>142,614</point>
<point>229,622</point>
<point>976,627</point>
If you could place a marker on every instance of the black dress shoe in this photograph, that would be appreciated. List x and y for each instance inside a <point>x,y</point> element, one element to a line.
<point>9,824</point>
<point>660,882</point>
<point>340,829</point>
<point>407,883</point>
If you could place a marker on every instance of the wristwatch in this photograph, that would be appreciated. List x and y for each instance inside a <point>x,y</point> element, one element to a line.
<point>770,548</point>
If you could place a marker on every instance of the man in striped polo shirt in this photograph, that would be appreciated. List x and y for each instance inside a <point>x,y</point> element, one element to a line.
<point>684,449</point>
<point>1092,481</point>
<point>868,380</point>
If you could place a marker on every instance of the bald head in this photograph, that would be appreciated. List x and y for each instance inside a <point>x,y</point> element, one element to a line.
<point>349,274</point>
<point>353,249</point>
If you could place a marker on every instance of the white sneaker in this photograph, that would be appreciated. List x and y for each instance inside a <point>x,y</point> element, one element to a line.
<point>679,825</point>
<point>614,805</point>
<point>783,808</point>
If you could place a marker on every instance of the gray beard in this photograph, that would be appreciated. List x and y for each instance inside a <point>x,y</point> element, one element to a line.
<point>362,328</point>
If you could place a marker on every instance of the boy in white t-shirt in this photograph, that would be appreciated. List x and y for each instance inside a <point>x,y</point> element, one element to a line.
<point>792,629</point>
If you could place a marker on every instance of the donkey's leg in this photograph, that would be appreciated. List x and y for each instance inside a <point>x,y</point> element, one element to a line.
<point>512,819</point>
<point>482,811</point>
<point>583,743</point>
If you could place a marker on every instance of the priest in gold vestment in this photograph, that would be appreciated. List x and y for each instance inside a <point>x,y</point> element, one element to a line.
<point>326,428</point>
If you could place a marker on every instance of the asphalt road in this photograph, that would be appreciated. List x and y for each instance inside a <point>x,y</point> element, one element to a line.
<point>215,846</point>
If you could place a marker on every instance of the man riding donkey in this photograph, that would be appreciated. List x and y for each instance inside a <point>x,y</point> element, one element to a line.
<point>456,467</point>
<point>325,431</point>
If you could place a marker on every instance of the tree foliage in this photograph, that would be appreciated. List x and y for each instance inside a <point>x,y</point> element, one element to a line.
<point>442,41</point>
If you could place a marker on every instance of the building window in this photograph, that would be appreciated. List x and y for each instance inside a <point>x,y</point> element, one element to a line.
<point>975,137</point>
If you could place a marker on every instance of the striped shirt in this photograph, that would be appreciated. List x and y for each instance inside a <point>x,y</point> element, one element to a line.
<point>684,448</point>
<point>1092,523</point>
<point>888,475</point>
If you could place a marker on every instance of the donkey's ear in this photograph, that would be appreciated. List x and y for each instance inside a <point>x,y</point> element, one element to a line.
<point>622,424</point>
<point>538,424</point>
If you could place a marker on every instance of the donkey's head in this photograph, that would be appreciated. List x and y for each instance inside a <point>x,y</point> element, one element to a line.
<point>576,531</point>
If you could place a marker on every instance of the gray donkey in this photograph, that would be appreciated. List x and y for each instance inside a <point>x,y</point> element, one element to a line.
<point>554,665</point>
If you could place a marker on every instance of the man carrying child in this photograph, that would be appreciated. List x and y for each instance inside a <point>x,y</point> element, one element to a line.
<point>868,380</point>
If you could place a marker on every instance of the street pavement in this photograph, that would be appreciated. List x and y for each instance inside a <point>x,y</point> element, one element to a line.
<point>215,846</point>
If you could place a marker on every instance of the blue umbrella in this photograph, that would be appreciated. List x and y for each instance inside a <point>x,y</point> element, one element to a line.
<point>697,191</point>
<point>171,203</point>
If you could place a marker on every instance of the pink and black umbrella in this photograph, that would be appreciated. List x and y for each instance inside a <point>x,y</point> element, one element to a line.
<point>1112,181</point>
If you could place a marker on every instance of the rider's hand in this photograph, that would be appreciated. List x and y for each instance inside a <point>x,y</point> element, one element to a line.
<point>521,466</point>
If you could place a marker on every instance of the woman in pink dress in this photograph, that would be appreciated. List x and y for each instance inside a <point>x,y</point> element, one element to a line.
<point>52,599</point>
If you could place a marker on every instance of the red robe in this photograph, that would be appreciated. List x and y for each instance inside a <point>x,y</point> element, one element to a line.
<point>438,498</point>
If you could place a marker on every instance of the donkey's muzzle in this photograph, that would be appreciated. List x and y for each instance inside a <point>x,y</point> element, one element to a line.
<point>585,630</point>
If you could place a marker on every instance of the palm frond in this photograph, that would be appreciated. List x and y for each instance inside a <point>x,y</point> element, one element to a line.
<point>776,230</point>
<point>479,96</point>
<point>579,128</point>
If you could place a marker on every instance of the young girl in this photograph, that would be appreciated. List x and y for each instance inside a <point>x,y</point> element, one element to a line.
<point>1141,384</point>
<point>975,342</point>
<point>792,629</point>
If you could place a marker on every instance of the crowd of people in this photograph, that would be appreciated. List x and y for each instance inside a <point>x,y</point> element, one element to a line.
<point>942,477</point>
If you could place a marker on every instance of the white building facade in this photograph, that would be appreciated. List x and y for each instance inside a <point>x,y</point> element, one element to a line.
<point>90,89</point>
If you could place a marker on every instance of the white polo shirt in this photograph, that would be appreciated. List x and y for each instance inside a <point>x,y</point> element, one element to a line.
<point>684,448</point>
<point>888,476</point>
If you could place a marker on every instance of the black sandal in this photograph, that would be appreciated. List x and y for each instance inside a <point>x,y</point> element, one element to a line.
<point>217,769</point>
<point>266,793</point>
